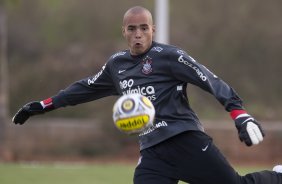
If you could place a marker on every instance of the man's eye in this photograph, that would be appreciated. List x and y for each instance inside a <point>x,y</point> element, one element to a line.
<point>130,28</point>
<point>145,28</point>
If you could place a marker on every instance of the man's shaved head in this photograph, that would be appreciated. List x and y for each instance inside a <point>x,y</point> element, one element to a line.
<point>138,29</point>
<point>136,10</point>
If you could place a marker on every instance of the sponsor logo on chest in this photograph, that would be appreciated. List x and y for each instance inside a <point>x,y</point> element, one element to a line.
<point>128,87</point>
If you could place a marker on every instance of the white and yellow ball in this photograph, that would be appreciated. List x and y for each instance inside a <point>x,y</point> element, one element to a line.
<point>133,113</point>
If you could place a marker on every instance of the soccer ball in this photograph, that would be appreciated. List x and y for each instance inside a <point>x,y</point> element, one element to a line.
<point>133,113</point>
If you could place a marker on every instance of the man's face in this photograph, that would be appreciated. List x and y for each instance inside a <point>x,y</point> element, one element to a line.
<point>138,31</point>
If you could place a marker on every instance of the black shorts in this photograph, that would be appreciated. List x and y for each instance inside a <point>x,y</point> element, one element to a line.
<point>193,158</point>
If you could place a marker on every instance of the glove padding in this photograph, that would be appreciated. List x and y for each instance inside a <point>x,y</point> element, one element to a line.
<point>26,111</point>
<point>249,130</point>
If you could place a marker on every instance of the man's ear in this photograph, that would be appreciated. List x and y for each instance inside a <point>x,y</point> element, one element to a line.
<point>123,31</point>
<point>154,29</point>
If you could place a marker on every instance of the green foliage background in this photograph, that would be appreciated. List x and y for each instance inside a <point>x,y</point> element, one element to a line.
<point>53,43</point>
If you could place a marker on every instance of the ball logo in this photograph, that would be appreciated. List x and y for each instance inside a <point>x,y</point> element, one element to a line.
<point>128,105</point>
<point>133,113</point>
<point>132,123</point>
<point>147,102</point>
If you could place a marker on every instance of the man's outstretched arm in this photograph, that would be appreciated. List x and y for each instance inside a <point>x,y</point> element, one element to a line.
<point>33,108</point>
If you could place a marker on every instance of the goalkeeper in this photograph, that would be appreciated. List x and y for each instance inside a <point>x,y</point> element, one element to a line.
<point>179,149</point>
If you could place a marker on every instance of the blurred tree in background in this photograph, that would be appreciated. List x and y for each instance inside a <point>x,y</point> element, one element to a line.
<point>52,43</point>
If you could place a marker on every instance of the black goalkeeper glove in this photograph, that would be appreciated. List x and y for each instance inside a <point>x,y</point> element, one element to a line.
<point>249,130</point>
<point>32,108</point>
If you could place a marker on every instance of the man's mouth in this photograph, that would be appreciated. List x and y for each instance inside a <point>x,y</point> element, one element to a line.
<point>138,44</point>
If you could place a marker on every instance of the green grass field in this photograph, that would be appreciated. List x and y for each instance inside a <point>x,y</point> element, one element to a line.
<point>73,173</point>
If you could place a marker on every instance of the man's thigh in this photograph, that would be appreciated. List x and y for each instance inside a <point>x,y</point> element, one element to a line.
<point>191,157</point>
<point>199,161</point>
<point>153,170</point>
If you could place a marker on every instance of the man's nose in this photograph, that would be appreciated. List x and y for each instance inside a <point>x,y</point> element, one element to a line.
<point>138,33</point>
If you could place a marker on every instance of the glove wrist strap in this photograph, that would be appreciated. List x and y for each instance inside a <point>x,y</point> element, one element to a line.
<point>236,113</point>
<point>47,104</point>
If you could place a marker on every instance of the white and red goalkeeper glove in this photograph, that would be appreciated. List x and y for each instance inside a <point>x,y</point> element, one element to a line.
<point>249,130</point>
<point>32,108</point>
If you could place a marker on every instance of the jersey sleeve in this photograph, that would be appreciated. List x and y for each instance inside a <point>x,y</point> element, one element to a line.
<point>85,90</point>
<point>185,68</point>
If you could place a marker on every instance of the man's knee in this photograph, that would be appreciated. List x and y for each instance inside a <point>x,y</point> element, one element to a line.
<point>263,177</point>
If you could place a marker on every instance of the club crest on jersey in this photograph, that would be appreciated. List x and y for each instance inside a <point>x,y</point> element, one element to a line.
<point>147,67</point>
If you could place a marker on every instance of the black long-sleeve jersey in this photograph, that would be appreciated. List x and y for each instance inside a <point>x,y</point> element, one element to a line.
<point>162,74</point>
